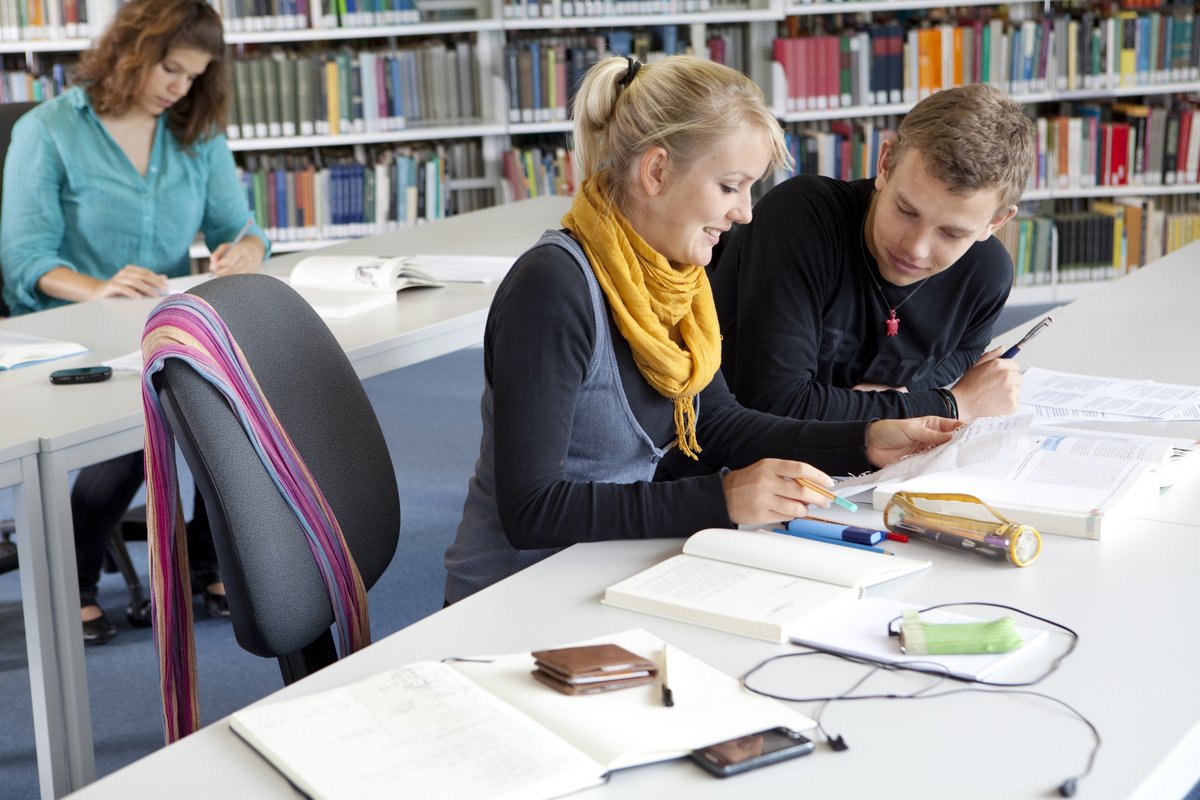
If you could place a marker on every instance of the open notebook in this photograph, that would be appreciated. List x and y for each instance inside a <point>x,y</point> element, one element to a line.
<point>487,729</point>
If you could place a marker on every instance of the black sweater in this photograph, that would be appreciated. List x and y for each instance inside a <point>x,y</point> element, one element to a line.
<point>537,344</point>
<point>802,321</point>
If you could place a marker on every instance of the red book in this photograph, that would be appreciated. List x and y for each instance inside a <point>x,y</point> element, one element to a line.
<point>1181,150</point>
<point>1117,153</point>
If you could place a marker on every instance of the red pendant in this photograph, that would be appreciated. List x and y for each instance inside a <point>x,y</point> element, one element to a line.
<point>892,324</point>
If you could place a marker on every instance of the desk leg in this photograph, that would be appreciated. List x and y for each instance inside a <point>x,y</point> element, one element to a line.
<point>53,470</point>
<point>49,731</point>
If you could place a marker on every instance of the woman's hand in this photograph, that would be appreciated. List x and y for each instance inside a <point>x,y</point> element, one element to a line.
<point>890,440</point>
<point>766,491</point>
<point>232,259</point>
<point>131,281</point>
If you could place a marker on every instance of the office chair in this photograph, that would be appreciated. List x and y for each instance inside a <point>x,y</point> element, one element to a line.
<point>278,603</point>
<point>117,558</point>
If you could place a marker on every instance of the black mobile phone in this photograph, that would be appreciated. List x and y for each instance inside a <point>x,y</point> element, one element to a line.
<point>81,375</point>
<point>755,750</point>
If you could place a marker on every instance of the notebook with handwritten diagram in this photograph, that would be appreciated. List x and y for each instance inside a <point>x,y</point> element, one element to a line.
<point>488,729</point>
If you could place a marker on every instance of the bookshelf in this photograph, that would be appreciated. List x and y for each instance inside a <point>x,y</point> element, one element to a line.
<point>478,153</point>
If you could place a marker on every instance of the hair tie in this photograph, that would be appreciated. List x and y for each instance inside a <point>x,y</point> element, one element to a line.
<point>634,66</point>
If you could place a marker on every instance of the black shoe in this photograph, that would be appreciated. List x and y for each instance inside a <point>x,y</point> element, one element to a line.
<point>217,605</point>
<point>98,630</point>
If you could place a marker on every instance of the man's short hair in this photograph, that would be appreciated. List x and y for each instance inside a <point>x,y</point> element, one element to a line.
<point>970,138</point>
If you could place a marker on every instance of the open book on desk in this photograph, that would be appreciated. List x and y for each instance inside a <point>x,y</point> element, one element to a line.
<point>342,286</point>
<point>487,728</point>
<point>755,583</point>
<point>19,349</point>
<point>1074,484</point>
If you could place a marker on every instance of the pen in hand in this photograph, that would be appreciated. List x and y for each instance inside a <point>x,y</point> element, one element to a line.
<point>223,249</point>
<point>828,495</point>
<point>1034,331</point>
<point>668,697</point>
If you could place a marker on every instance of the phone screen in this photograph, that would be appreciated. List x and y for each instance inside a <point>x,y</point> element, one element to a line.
<point>757,749</point>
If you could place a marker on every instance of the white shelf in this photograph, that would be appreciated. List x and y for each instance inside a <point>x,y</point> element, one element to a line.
<point>871,6</point>
<point>378,32</point>
<point>1149,190</point>
<point>601,23</point>
<point>415,133</point>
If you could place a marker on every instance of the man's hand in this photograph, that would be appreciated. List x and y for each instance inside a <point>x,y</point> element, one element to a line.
<point>991,388</point>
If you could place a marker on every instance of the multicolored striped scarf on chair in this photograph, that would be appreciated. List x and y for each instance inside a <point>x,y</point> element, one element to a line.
<point>186,327</point>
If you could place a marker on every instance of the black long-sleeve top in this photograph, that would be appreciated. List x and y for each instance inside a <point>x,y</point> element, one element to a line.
<point>537,344</point>
<point>803,322</point>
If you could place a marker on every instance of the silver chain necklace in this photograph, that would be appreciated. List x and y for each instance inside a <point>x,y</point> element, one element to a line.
<point>891,325</point>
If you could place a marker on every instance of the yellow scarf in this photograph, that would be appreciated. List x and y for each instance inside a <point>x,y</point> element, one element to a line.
<point>648,298</point>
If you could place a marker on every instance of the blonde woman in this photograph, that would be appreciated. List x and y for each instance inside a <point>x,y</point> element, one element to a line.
<point>601,350</point>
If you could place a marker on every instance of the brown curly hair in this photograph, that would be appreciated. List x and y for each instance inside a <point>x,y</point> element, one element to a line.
<point>115,70</point>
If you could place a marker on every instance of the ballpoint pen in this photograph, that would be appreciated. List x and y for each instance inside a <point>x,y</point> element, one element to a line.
<point>828,495</point>
<point>1034,331</point>
<point>242,233</point>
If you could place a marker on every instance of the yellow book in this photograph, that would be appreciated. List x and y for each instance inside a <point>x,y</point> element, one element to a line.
<point>1127,50</point>
<point>1117,212</point>
<point>333,97</point>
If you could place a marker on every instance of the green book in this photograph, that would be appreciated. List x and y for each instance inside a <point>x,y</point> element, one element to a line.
<point>306,97</point>
<point>286,68</point>
<point>259,105</point>
<point>270,95</point>
<point>243,95</point>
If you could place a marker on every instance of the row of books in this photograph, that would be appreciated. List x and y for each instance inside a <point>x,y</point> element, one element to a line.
<point>330,93</point>
<point>295,199</point>
<point>842,149</point>
<point>536,171</point>
<point>1105,240</point>
<point>22,20</point>
<point>543,70</point>
<point>22,86</point>
<point>282,15</point>
<point>555,9</point>
<point>885,62</point>
<point>1124,144</point>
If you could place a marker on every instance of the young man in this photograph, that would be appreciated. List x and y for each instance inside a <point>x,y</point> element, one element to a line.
<point>866,299</point>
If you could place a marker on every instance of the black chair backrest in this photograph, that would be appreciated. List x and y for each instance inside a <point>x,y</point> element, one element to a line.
<point>278,603</point>
<point>9,114</point>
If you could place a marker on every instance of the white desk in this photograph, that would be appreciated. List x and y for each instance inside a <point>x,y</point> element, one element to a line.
<point>1135,683</point>
<point>18,469</point>
<point>81,425</point>
<point>1131,597</point>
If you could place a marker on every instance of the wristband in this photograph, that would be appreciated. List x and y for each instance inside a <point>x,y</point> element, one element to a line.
<point>951,403</point>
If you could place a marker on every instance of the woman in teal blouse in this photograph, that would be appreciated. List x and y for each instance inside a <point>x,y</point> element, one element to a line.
<point>105,188</point>
<point>107,185</point>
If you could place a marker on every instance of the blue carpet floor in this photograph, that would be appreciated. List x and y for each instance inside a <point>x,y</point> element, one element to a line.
<point>430,415</point>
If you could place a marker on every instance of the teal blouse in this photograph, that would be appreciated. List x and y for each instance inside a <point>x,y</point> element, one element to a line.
<point>73,199</point>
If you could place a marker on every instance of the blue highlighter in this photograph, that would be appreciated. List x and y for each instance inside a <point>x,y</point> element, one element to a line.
<point>831,530</point>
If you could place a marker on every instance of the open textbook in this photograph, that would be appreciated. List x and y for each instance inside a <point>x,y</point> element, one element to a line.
<point>486,728</point>
<point>1074,483</point>
<point>18,349</point>
<point>755,583</point>
<point>861,631</point>
<point>342,286</point>
<point>1064,396</point>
